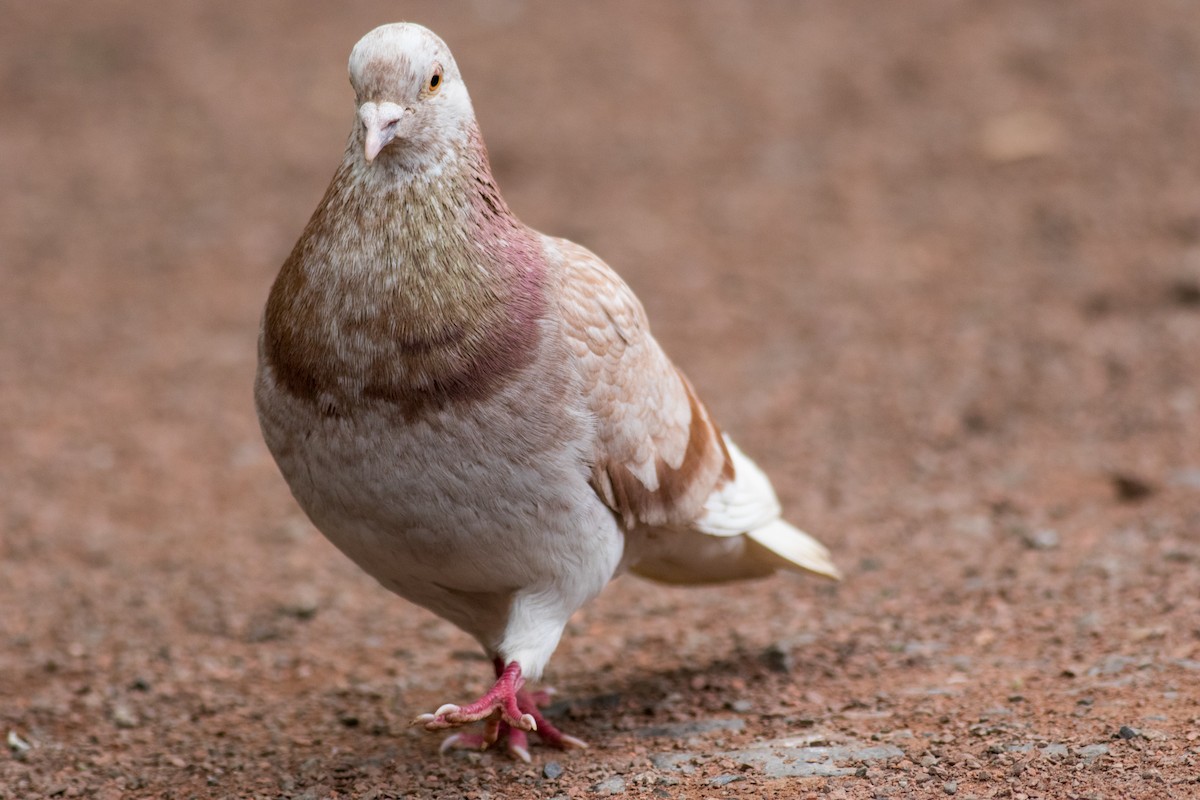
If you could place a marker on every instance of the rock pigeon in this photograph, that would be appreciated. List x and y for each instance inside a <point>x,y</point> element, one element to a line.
<point>477,413</point>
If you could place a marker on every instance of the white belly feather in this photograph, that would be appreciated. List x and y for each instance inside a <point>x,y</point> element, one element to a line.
<point>481,512</point>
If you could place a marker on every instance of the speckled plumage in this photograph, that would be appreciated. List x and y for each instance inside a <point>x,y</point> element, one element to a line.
<point>477,414</point>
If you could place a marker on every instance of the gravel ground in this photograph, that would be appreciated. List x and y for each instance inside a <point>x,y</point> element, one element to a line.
<point>935,264</point>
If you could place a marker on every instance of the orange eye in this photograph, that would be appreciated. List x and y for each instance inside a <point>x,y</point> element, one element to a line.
<point>435,80</point>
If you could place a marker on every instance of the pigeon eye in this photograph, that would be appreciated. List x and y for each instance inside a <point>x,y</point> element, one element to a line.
<point>435,81</point>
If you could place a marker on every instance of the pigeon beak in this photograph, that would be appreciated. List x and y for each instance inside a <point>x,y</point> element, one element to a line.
<point>383,123</point>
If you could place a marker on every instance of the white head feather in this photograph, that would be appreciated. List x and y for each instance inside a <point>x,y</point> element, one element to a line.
<point>412,103</point>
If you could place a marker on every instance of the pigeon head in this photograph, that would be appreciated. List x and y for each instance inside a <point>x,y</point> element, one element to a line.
<point>411,99</point>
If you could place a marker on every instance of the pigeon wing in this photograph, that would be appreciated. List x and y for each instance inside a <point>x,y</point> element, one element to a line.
<point>658,455</point>
<point>660,460</point>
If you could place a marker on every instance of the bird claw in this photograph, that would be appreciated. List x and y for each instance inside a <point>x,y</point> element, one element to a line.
<point>508,712</point>
<point>448,715</point>
<point>463,741</point>
<point>568,742</point>
<point>516,744</point>
<point>453,741</point>
<point>517,751</point>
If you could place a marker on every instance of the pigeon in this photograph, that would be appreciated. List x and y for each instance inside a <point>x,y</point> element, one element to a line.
<point>476,413</point>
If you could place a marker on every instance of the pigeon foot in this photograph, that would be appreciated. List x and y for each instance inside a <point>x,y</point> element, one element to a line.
<point>508,712</point>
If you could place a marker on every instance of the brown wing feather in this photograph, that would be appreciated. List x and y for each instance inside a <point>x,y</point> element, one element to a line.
<point>658,453</point>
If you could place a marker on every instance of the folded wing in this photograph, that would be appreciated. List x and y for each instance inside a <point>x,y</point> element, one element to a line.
<point>660,463</point>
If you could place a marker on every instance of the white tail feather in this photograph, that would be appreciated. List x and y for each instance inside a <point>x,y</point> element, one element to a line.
<point>796,548</point>
<point>747,506</point>
<point>739,535</point>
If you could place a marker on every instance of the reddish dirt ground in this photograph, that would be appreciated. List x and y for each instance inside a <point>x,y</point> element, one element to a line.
<point>936,265</point>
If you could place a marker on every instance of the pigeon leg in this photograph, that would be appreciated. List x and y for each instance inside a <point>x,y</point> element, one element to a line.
<point>515,740</point>
<point>500,701</point>
<point>496,708</point>
<point>529,703</point>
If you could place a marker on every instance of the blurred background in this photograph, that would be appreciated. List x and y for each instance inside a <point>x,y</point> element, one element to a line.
<point>935,265</point>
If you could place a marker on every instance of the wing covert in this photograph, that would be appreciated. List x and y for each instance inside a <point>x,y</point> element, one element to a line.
<point>659,456</point>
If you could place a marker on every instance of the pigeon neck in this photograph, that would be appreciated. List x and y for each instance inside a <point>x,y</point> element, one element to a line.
<point>412,287</point>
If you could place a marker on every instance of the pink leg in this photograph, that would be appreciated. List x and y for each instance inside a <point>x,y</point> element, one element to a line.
<point>546,731</point>
<point>500,701</point>
<point>508,711</point>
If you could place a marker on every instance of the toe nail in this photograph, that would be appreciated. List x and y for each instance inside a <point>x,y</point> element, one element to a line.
<point>449,742</point>
<point>448,708</point>
<point>521,753</point>
<point>528,722</point>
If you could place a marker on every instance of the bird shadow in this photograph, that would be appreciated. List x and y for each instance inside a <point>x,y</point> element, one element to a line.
<point>726,683</point>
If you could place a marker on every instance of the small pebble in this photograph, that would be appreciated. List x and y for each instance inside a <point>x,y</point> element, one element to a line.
<point>1130,488</point>
<point>1127,732</point>
<point>1090,752</point>
<point>1185,292</point>
<point>613,785</point>
<point>778,658</point>
<point>950,787</point>
<point>123,717</point>
<point>1042,539</point>
<point>553,770</point>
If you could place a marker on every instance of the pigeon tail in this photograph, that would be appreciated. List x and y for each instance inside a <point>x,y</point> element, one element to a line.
<point>790,548</point>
